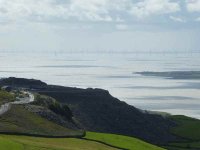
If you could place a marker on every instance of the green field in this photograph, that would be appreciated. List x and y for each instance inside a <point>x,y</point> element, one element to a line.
<point>121,141</point>
<point>9,142</point>
<point>14,142</point>
<point>189,129</point>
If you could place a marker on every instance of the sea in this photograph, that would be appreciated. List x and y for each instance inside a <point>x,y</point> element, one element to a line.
<point>117,73</point>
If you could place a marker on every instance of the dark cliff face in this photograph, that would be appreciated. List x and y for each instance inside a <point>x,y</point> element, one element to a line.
<point>96,110</point>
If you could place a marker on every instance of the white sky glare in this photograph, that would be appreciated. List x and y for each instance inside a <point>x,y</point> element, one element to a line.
<point>95,25</point>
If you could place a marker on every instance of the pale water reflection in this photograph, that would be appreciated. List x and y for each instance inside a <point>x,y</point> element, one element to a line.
<point>115,72</point>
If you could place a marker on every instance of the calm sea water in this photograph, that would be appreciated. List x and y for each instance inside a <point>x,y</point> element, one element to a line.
<point>115,72</point>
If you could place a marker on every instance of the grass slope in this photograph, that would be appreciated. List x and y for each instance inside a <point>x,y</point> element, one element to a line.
<point>19,120</point>
<point>189,129</point>
<point>5,97</point>
<point>12,142</point>
<point>124,142</point>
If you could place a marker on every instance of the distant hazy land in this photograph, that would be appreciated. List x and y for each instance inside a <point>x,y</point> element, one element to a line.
<point>173,74</point>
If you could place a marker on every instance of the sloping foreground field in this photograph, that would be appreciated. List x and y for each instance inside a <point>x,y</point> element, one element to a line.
<point>124,142</point>
<point>92,141</point>
<point>12,142</point>
<point>20,121</point>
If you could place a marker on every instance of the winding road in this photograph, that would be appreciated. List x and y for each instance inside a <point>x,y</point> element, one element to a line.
<point>5,107</point>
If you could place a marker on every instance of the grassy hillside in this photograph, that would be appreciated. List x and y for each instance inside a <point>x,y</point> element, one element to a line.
<point>189,129</point>
<point>19,120</point>
<point>124,142</point>
<point>96,110</point>
<point>11,142</point>
<point>114,116</point>
<point>5,97</point>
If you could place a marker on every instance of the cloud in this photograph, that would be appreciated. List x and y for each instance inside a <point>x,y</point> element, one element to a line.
<point>31,9</point>
<point>154,7</point>
<point>93,10</point>
<point>177,19</point>
<point>119,19</point>
<point>121,26</point>
<point>193,5</point>
<point>197,19</point>
<point>83,10</point>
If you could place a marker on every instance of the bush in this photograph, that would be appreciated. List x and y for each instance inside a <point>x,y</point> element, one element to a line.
<point>53,105</point>
<point>62,110</point>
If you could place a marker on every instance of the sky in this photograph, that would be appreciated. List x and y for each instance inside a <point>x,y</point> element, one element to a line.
<point>100,25</point>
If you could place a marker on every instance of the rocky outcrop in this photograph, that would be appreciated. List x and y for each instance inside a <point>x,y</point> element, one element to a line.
<point>52,116</point>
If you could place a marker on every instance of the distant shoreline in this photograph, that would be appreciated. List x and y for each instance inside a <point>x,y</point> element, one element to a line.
<point>189,75</point>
